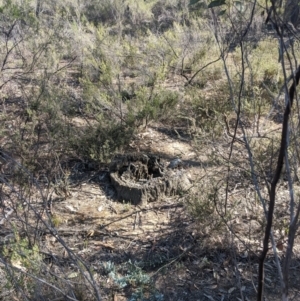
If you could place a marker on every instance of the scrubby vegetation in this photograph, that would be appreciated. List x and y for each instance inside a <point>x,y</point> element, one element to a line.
<point>83,80</point>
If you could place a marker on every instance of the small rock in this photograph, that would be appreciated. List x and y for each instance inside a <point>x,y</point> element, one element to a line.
<point>71,208</point>
<point>176,163</point>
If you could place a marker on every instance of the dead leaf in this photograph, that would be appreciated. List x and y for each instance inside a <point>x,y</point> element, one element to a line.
<point>90,233</point>
<point>72,275</point>
<point>71,208</point>
<point>280,245</point>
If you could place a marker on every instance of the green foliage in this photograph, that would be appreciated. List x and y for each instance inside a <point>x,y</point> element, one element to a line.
<point>134,275</point>
<point>156,106</point>
<point>100,142</point>
<point>97,66</point>
<point>109,267</point>
<point>264,61</point>
<point>205,111</point>
<point>22,254</point>
<point>135,278</point>
<point>202,205</point>
<point>17,11</point>
<point>140,295</point>
<point>56,220</point>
